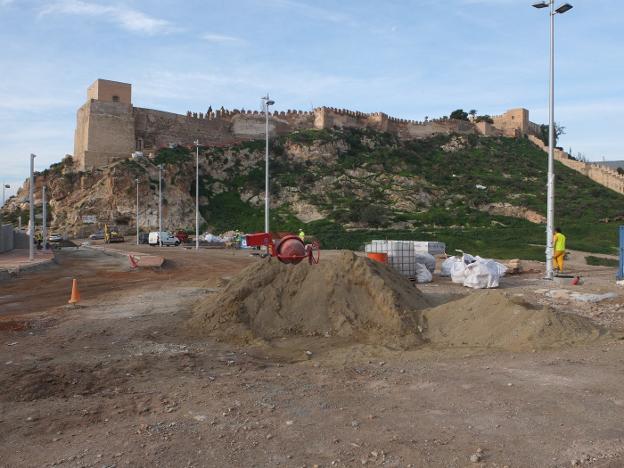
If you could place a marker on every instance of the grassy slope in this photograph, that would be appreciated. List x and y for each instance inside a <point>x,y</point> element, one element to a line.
<point>513,171</point>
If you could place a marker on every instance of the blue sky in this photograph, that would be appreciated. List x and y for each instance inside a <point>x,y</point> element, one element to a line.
<point>409,59</point>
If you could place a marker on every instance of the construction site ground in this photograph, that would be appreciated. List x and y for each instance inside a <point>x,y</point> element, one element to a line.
<point>118,381</point>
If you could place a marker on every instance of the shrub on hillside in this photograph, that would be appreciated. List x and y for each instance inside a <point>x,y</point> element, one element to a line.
<point>176,155</point>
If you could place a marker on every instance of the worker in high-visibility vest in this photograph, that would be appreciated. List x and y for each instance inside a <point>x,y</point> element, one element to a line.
<point>559,241</point>
<point>301,235</point>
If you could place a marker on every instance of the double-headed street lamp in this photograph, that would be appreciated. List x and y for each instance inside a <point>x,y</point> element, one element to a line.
<point>267,102</point>
<point>550,200</point>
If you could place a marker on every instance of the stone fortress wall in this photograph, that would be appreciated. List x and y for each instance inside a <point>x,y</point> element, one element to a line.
<point>110,128</point>
<point>604,175</point>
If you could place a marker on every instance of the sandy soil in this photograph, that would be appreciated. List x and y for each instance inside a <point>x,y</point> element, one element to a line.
<point>117,381</point>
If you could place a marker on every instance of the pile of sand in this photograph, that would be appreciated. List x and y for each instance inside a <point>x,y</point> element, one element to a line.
<point>343,296</point>
<point>354,299</point>
<point>492,319</point>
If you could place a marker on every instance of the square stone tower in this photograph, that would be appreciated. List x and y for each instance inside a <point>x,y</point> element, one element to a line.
<point>513,123</point>
<point>104,125</point>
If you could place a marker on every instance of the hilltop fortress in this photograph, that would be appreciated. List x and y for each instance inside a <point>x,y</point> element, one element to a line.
<point>110,128</point>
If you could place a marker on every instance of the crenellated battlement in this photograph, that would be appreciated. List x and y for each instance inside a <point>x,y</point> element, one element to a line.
<point>110,128</point>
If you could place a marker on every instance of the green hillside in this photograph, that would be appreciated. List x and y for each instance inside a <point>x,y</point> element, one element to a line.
<point>371,185</point>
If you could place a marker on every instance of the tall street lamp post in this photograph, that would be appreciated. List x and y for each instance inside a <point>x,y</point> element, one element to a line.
<point>267,102</point>
<point>44,214</point>
<point>31,200</point>
<point>4,186</point>
<point>196,194</point>
<point>137,211</point>
<point>550,201</point>
<point>160,168</point>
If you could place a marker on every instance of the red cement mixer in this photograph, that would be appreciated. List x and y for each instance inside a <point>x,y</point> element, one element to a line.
<point>288,249</point>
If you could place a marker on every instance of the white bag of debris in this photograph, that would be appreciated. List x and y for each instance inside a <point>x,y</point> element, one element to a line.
<point>445,269</point>
<point>426,259</point>
<point>499,267</point>
<point>213,239</point>
<point>458,271</point>
<point>454,267</point>
<point>422,274</point>
<point>482,274</point>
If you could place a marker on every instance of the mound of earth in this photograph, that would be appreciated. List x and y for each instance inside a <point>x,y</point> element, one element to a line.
<point>491,319</point>
<point>343,296</point>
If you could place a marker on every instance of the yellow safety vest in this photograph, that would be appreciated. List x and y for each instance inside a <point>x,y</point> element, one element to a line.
<point>559,242</point>
<point>301,235</point>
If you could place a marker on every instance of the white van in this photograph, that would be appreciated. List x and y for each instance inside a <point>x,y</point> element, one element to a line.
<point>167,239</point>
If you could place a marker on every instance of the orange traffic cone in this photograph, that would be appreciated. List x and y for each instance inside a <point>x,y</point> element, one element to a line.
<point>75,294</point>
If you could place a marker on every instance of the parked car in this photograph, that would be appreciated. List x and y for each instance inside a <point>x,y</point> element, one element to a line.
<point>54,237</point>
<point>143,238</point>
<point>183,236</point>
<point>98,235</point>
<point>167,239</point>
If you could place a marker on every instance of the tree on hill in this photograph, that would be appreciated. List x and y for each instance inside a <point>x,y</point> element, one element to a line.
<point>472,112</point>
<point>459,114</point>
<point>559,130</point>
<point>484,118</point>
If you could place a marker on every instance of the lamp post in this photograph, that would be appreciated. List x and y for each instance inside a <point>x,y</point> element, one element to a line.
<point>137,210</point>
<point>267,102</point>
<point>31,200</point>
<point>196,194</point>
<point>160,167</point>
<point>44,214</point>
<point>550,187</point>
<point>4,186</point>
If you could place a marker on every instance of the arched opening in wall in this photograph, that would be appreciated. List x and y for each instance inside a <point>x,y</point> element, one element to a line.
<point>115,98</point>
<point>139,144</point>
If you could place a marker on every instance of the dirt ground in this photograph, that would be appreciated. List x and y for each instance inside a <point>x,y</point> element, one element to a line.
<point>118,382</point>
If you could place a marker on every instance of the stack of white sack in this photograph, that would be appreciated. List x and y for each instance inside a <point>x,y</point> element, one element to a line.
<point>474,272</point>
<point>426,259</point>
<point>213,239</point>
<point>422,274</point>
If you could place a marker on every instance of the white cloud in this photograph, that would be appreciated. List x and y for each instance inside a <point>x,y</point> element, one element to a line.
<point>127,18</point>
<point>315,12</point>
<point>222,39</point>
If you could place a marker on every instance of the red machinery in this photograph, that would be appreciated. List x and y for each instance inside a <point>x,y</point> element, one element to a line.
<point>288,249</point>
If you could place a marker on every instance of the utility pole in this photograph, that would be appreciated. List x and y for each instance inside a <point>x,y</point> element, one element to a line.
<point>160,167</point>
<point>44,213</point>
<point>137,211</point>
<point>31,199</point>
<point>267,103</point>
<point>196,194</point>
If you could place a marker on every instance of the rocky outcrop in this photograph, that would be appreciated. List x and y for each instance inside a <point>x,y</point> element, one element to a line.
<point>512,211</point>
